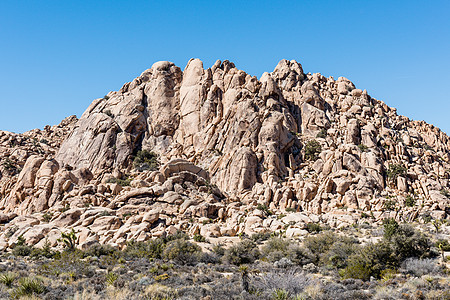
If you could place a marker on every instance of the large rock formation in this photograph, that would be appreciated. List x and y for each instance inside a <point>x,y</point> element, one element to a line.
<point>228,144</point>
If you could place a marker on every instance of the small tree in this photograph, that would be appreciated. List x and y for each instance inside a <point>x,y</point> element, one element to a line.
<point>146,160</point>
<point>69,239</point>
<point>395,170</point>
<point>312,150</point>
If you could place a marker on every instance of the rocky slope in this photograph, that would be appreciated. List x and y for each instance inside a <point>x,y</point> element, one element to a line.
<point>218,152</point>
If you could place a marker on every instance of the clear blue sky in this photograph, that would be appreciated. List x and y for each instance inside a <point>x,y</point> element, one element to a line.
<point>57,56</point>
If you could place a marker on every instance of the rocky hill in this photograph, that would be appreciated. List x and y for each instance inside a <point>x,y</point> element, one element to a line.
<point>218,152</point>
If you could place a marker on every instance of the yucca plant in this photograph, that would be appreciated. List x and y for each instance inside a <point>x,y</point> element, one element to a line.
<point>28,287</point>
<point>8,278</point>
<point>69,239</point>
<point>111,277</point>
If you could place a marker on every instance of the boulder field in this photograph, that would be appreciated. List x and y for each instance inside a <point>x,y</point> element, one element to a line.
<point>219,152</point>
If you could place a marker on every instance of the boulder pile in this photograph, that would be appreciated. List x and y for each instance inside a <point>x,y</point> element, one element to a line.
<point>218,152</point>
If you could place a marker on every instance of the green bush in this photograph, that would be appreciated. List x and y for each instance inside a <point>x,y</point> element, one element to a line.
<point>443,245</point>
<point>145,160</point>
<point>8,278</point>
<point>260,237</point>
<point>389,204</point>
<point>395,170</point>
<point>312,150</point>
<point>22,250</point>
<point>110,278</point>
<point>109,113</point>
<point>322,133</point>
<point>410,201</point>
<point>150,249</point>
<point>101,250</point>
<point>330,249</point>
<point>122,182</point>
<point>313,228</point>
<point>68,262</point>
<point>181,251</point>
<point>407,242</point>
<point>337,255</point>
<point>245,252</point>
<point>46,251</point>
<point>363,148</point>
<point>47,217</point>
<point>390,227</point>
<point>199,238</point>
<point>28,287</point>
<point>277,248</point>
<point>319,244</point>
<point>369,261</point>
<point>399,243</point>
<point>264,209</point>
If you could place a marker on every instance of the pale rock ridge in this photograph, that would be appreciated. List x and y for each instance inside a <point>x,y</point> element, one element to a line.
<point>228,144</point>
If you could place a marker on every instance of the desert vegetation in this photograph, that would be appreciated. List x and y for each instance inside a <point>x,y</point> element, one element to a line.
<point>398,262</point>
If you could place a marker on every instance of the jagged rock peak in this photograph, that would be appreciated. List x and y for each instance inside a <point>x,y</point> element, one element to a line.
<point>226,143</point>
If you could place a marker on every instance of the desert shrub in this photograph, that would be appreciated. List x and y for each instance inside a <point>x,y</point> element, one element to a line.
<point>442,245</point>
<point>312,150</point>
<point>45,251</point>
<point>219,250</point>
<point>390,227</point>
<point>389,204</point>
<point>318,246</point>
<point>313,228</point>
<point>407,242</point>
<point>420,267</point>
<point>199,238</point>
<point>322,133</point>
<point>101,250</point>
<point>337,255</point>
<point>67,262</point>
<point>362,147</point>
<point>150,249</point>
<point>10,166</point>
<point>181,251</point>
<point>145,160</point>
<point>410,201</point>
<point>122,182</point>
<point>395,170</point>
<point>22,250</point>
<point>8,278</point>
<point>260,237</point>
<point>280,294</point>
<point>426,217</point>
<point>109,113</point>
<point>399,243</point>
<point>47,216</point>
<point>244,252</point>
<point>111,278</point>
<point>28,287</point>
<point>282,285</point>
<point>277,248</point>
<point>368,261</point>
<point>158,291</point>
<point>265,209</point>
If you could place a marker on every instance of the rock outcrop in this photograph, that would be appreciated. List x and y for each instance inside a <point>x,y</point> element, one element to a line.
<point>226,148</point>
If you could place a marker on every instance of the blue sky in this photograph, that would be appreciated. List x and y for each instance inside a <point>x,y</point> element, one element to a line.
<point>58,56</point>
